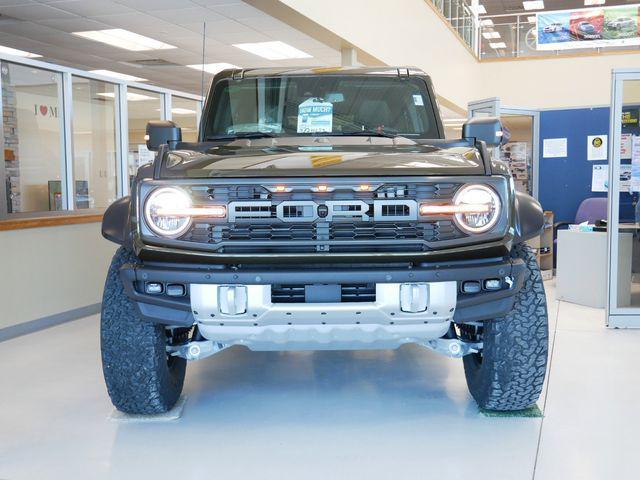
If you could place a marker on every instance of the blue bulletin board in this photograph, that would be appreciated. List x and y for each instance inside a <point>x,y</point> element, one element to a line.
<point>565,182</point>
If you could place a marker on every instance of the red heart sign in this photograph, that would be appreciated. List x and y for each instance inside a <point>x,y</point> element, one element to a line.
<point>43,110</point>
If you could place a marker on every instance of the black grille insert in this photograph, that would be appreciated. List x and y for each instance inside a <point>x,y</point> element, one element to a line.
<point>349,293</point>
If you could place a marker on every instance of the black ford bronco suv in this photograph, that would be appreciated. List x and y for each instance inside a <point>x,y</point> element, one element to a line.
<point>323,209</point>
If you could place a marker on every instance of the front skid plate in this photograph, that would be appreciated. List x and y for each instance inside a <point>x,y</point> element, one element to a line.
<point>324,337</point>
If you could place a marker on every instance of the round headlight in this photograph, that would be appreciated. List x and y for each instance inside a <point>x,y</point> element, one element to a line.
<point>162,211</point>
<point>478,208</point>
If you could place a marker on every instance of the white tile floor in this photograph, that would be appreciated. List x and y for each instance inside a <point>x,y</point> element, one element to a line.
<point>325,415</point>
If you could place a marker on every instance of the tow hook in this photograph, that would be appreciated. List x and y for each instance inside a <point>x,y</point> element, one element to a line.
<point>453,347</point>
<point>196,350</point>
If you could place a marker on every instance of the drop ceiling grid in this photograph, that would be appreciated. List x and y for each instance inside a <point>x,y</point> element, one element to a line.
<point>44,27</point>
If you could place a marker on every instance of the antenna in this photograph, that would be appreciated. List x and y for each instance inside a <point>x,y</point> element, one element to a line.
<point>204,36</point>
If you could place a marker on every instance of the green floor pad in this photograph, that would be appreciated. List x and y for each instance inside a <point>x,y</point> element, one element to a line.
<point>531,412</point>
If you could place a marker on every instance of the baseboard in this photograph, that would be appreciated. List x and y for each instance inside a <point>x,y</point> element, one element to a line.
<point>7,333</point>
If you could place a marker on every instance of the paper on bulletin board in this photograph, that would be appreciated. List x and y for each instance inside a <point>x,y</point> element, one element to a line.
<point>554,147</point>
<point>600,178</point>
<point>625,146</point>
<point>596,147</point>
<point>635,164</point>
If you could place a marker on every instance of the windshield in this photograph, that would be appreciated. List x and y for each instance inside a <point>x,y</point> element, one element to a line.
<point>322,104</point>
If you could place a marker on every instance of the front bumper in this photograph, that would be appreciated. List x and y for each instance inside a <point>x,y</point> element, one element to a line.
<point>200,282</point>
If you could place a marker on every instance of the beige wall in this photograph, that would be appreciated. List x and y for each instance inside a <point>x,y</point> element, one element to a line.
<point>51,270</point>
<point>409,32</point>
<point>555,82</point>
<point>401,32</point>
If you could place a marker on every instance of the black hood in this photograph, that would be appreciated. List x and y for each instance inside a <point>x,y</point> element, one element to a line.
<point>382,156</point>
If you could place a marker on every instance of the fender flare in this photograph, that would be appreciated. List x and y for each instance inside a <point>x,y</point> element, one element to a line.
<point>115,223</point>
<point>529,217</point>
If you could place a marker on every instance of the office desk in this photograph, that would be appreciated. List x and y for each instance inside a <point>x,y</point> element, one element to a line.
<point>581,272</point>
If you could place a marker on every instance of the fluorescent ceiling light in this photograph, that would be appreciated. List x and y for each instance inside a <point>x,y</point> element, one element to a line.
<point>589,3</point>
<point>117,37</point>
<point>498,45</point>
<point>182,111</point>
<point>272,50</point>
<point>119,76</point>
<point>533,5</point>
<point>213,68</point>
<point>18,53</point>
<point>491,35</point>
<point>131,97</point>
<point>487,22</point>
<point>478,9</point>
<point>532,19</point>
<point>454,121</point>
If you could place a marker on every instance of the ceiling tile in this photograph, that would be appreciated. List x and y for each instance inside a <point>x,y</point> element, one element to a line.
<point>91,8</point>
<point>184,16</point>
<point>35,12</point>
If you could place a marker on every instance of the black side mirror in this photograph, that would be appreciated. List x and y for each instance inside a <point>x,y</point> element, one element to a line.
<point>162,132</point>
<point>487,129</point>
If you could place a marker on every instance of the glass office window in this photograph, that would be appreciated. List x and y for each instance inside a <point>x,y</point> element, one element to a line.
<point>184,112</point>
<point>94,143</point>
<point>32,149</point>
<point>142,106</point>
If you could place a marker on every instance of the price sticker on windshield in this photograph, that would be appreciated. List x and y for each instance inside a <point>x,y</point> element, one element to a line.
<point>315,115</point>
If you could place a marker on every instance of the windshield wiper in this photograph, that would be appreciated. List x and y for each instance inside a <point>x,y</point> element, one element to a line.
<point>234,136</point>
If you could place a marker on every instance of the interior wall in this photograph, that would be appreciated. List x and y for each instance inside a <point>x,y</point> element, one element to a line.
<point>51,270</point>
<point>410,32</point>
<point>402,32</point>
<point>554,82</point>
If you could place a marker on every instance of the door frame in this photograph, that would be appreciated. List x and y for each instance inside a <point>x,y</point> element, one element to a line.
<point>493,107</point>
<point>617,317</point>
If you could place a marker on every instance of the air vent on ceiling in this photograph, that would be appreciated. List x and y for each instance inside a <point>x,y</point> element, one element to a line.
<point>151,62</point>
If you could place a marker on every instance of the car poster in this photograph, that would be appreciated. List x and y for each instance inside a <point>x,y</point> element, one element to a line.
<point>588,28</point>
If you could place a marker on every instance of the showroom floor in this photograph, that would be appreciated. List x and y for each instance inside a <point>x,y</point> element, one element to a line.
<point>377,414</point>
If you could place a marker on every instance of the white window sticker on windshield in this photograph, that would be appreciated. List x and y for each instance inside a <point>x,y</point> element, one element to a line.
<point>315,115</point>
<point>417,100</point>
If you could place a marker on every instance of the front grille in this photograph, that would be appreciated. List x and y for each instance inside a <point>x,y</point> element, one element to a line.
<point>351,293</point>
<point>341,218</point>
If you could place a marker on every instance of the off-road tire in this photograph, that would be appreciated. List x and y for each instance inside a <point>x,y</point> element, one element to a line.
<point>509,372</point>
<point>141,378</point>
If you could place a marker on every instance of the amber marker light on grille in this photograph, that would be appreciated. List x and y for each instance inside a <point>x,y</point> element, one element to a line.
<point>213,211</point>
<point>364,188</point>
<point>280,188</point>
<point>322,188</point>
<point>427,209</point>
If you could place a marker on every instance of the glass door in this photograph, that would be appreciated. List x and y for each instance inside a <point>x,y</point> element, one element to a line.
<point>623,237</point>
<point>522,125</point>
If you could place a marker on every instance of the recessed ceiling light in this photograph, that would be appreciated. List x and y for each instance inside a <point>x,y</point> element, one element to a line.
<point>213,68</point>
<point>589,3</point>
<point>117,37</point>
<point>272,50</point>
<point>119,76</point>
<point>18,53</point>
<point>491,35</point>
<point>533,5</point>
<point>478,9</point>
<point>532,19</point>
<point>497,45</point>
<point>131,97</point>
<point>487,22</point>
